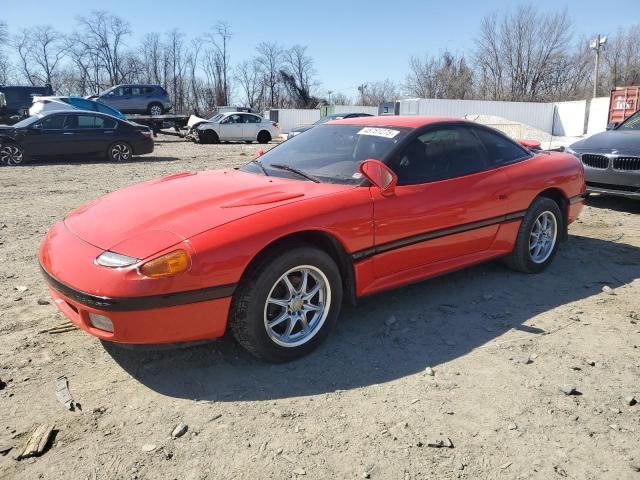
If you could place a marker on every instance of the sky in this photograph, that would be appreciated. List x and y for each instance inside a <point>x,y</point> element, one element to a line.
<point>351,41</point>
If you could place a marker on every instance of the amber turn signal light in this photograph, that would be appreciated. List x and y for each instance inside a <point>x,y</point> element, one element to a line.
<point>169,264</point>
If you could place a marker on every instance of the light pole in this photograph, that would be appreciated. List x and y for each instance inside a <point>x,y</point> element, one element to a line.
<point>596,44</point>
<point>330,92</point>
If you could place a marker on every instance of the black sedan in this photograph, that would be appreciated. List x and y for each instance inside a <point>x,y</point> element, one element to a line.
<point>65,133</point>
<point>611,159</point>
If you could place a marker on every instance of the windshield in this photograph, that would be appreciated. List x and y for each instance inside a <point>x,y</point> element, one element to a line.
<point>216,118</point>
<point>631,123</point>
<point>26,122</point>
<point>331,153</point>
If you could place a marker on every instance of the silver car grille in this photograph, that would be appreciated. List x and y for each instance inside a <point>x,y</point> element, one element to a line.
<point>626,163</point>
<point>595,161</point>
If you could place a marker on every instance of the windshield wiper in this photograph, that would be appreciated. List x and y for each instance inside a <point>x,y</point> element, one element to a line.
<point>289,168</point>
<point>260,166</point>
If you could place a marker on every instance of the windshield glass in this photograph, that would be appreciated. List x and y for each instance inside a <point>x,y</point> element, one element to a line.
<point>216,118</point>
<point>631,123</point>
<point>26,122</point>
<point>331,153</point>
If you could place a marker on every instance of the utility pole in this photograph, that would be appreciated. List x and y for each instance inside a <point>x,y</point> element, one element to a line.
<point>361,89</point>
<point>596,44</point>
<point>330,92</point>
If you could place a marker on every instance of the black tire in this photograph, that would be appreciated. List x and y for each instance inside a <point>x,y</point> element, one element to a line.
<point>521,259</point>
<point>155,109</point>
<point>264,137</point>
<point>208,136</point>
<point>12,154</point>
<point>120,152</point>
<point>249,311</point>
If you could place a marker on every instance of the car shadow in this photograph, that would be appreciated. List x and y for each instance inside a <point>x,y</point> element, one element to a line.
<point>396,333</point>
<point>619,204</point>
<point>65,160</point>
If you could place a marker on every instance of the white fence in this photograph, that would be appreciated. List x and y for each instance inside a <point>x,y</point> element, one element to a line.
<point>289,118</point>
<point>562,118</point>
<point>537,115</point>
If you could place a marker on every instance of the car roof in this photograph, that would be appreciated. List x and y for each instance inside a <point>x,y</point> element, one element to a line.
<point>409,121</point>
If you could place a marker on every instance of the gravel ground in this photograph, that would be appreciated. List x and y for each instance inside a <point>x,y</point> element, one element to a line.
<point>472,362</point>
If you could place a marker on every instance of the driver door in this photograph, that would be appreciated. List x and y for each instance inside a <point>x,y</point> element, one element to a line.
<point>47,137</point>
<point>231,128</point>
<point>444,206</point>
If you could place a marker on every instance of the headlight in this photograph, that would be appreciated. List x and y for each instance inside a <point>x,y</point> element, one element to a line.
<point>172,263</point>
<point>114,260</point>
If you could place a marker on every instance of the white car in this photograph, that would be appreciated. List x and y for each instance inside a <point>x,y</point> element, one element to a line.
<point>233,127</point>
<point>51,104</point>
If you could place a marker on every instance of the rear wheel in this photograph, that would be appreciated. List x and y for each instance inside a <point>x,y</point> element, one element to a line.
<point>155,109</point>
<point>120,152</point>
<point>537,241</point>
<point>208,136</point>
<point>264,137</point>
<point>287,305</point>
<point>12,154</point>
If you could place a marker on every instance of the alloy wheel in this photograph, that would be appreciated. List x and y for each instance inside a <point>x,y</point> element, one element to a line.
<point>543,237</point>
<point>11,155</point>
<point>120,152</point>
<point>297,306</point>
<point>155,110</point>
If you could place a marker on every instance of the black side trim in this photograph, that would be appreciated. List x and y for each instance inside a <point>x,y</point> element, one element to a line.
<point>126,304</point>
<point>423,237</point>
<point>576,199</point>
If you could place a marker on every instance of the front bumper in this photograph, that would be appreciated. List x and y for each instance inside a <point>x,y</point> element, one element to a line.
<point>141,311</point>
<point>609,179</point>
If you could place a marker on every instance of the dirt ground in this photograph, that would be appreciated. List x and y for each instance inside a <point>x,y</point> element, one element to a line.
<point>364,405</point>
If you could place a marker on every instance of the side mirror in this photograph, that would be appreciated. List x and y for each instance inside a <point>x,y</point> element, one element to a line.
<point>612,125</point>
<point>258,154</point>
<point>379,175</point>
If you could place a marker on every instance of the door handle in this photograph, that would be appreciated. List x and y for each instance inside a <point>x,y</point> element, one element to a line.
<point>502,196</point>
<point>109,131</point>
<point>68,133</point>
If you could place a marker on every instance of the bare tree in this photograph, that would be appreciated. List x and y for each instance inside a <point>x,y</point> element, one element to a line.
<point>298,76</point>
<point>517,53</point>
<point>4,60</point>
<point>270,58</point>
<point>219,38</point>
<point>377,92</point>
<point>622,59</point>
<point>248,77</point>
<point>444,77</point>
<point>104,34</point>
<point>340,99</point>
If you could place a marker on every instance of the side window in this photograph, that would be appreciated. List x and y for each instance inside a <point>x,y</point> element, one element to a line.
<point>136,90</point>
<point>106,123</point>
<point>500,150</point>
<point>232,119</point>
<point>119,92</point>
<point>89,121</point>
<point>440,154</point>
<point>148,90</point>
<point>253,119</point>
<point>55,122</point>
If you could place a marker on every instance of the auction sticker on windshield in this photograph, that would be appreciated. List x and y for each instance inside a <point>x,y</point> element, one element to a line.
<point>379,132</point>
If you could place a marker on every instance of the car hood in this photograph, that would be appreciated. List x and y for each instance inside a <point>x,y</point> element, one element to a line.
<point>148,217</point>
<point>625,142</point>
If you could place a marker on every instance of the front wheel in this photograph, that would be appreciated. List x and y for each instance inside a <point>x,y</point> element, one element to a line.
<point>12,154</point>
<point>208,136</point>
<point>537,241</point>
<point>119,152</point>
<point>287,305</point>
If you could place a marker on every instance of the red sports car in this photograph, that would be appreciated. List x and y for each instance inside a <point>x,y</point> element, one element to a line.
<point>271,250</point>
